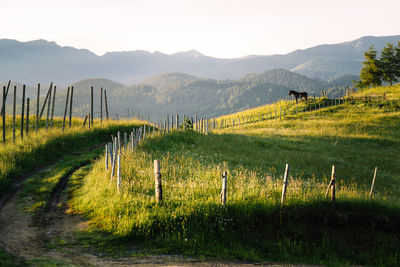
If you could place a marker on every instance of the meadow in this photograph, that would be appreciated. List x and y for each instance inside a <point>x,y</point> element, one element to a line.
<point>356,137</point>
<point>45,146</point>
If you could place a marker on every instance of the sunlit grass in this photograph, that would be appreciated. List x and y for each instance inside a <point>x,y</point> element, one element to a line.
<point>47,145</point>
<point>355,137</point>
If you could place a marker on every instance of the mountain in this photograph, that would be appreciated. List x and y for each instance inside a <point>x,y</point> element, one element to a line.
<point>179,93</point>
<point>42,62</point>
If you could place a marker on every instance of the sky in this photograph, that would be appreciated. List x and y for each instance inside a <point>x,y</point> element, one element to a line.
<point>218,28</point>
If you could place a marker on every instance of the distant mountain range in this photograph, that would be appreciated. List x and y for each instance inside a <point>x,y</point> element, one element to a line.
<point>179,93</point>
<point>43,61</point>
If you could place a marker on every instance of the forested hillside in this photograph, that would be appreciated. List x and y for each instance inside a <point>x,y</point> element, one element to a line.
<point>178,93</point>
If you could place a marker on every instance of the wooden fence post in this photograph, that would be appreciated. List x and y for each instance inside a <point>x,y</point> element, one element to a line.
<point>285,182</point>
<point>70,106</point>
<point>332,186</point>
<point>52,107</point>
<point>119,173</point>
<point>91,104</point>
<point>84,121</point>
<point>373,183</point>
<point>14,108</point>
<point>45,100</point>
<point>106,157</point>
<point>37,108</point>
<point>22,111</point>
<point>27,117</point>
<point>114,158</point>
<point>105,102</point>
<point>6,94</point>
<point>89,120</point>
<point>223,191</point>
<point>101,106</point>
<point>3,111</point>
<point>48,110</point>
<point>167,124</point>
<point>157,176</point>
<point>65,110</point>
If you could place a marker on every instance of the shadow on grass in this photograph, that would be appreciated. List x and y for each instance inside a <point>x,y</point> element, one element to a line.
<point>317,233</point>
<point>355,158</point>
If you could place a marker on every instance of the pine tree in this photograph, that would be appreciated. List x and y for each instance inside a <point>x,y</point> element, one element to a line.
<point>388,64</point>
<point>371,72</point>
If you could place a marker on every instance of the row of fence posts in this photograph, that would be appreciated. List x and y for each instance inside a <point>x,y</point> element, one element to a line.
<point>331,187</point>
<point>172,122</point>
<point>276,113</point>
<point>114,149</point>
<point>49,102</point>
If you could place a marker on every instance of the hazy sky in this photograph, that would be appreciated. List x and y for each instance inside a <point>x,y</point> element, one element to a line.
<point>219,28</point>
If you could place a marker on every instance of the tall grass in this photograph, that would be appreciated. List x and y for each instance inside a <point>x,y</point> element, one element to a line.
<point>355,137</point>
<point>47,145</point>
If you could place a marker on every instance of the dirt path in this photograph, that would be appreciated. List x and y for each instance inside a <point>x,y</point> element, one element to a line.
<point>27,239</point>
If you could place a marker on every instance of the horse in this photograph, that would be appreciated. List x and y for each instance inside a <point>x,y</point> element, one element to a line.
<point>297,95</point>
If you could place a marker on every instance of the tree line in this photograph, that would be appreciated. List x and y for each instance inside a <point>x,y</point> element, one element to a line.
<point>385,69</point>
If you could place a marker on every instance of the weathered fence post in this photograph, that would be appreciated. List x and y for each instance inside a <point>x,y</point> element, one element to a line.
<point>45,100</point>
<point>119,173</point>
<point>48,110</point>
<point>37,108</point>
<point>285,182</point>
<point>115,150</point>
<point>223,191</point>
<point>101,106</point>
<point>157,176</point>
<point>177,121</point>
<point>105,102</point>
<point>373,183</point>
<point>6,94</point>
<point>106,157</point>
<point>70,106</point>
<point>84,121</point>
<point>27,117</point>
<point>91,104</point>
<point>14,108</point>
<point>52,107</point>
<point>89,120</point>
<point>22,111</point>
<point>332,186</point>
<point>65,111</point>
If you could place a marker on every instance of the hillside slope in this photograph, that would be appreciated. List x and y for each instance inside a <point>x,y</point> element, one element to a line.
<point>178,93</point>
<point>355,137</point>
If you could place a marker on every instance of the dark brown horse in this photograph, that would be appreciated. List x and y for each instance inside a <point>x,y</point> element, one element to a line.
<point>297,95</point>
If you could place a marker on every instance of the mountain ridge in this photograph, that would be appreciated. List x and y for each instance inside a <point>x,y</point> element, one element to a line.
<point>43,61</point>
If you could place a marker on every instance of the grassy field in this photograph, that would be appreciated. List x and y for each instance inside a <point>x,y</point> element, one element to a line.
<point>45,146</point>
<point>356,137</point>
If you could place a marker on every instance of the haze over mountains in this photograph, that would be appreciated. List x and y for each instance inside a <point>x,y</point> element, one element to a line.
<point>179,93</point>
<point>43,61</point>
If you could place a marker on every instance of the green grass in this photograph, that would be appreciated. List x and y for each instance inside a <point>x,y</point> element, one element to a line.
<point>355,137</point>
<point>8,260</point>
<point>46,146</point>
<point>40,186</point>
